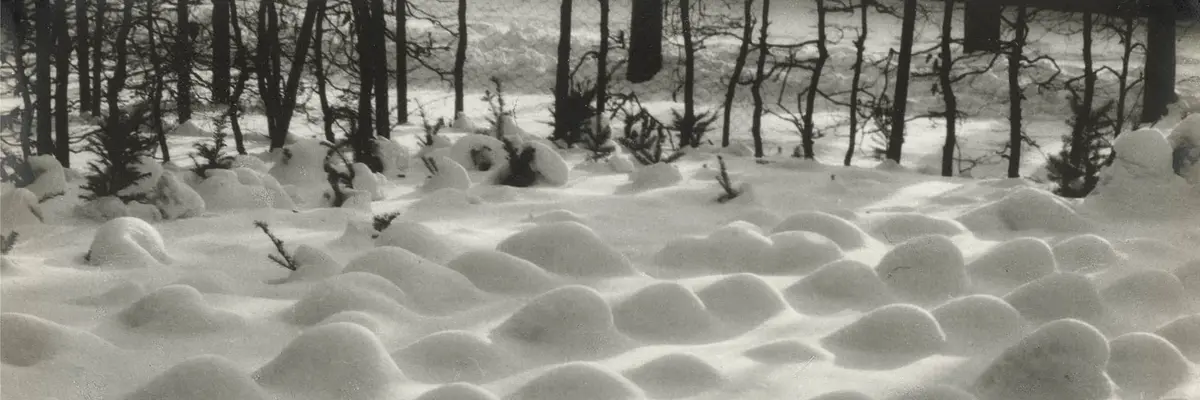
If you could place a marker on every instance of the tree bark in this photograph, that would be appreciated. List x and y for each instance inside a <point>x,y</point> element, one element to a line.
<point>62,76</point>
<point>43,17</point>
<point>562,70</point>
<point>120,70</point>
<point>1127,31</point>
<point>1015,96</point>
<point>460,57</point>
<point>98,58</point>
<point>756,87</point>
<point>946,66</point>
<point>904,66</point>
<point>183,61</point>
<point>401,61</point>
<point>82,53</point>
<point>807,137</point>
<point>687,137</point>
<point>860,47</point>
<point>220,57</point>
<point>243,64</point>
<point>739,64</point>
<point>1159,86</point>
<point>383,124</point>
<point>363,151</point>
<point>602,66</point>
<point>1079,153</point>
<point>323,81</point>
<point>156,87</point>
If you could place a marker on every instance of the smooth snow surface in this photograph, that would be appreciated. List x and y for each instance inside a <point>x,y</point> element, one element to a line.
<point>1063,360</point>
<point>1012,264</point>
<point>888,337</point>
<point>127,242</point>
<point>1145,365</point>
<point>927,270</point>
<point>567,248</point>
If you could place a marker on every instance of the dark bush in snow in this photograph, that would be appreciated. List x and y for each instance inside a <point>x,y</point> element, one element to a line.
<point>119,147</point>
<point>213,155</point>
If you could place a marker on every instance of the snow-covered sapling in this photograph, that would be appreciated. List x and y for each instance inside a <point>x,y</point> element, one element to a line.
<point>574,114</point>
<point>644,137</point>
<point>431,130</point>
<point>213,155</point>
<point>726,184</point>
<point>699,125</point>
<point>520,172</point>
<point>8,242</point>
<point>283,259</point>
<point>1077,170</point>
<point>382,221</point>
<point>497,108</point>
<point>119,148</point>
<point>14,168</point>
<point>338,179</point>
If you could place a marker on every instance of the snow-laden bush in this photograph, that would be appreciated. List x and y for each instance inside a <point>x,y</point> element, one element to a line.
<point>1185,144</point>
<point>1141,180</point>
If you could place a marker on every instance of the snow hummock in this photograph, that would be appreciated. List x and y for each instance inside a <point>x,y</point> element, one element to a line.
<point>313,264</point>
<point>737,246</point>
<point>340,360</point>
<point>201,378</point>
<point>499,272</point>
<point>1185,142</point>
<point>1144,365</point>
<point>449,175</point>
<point>838,286</point>
<point>463,123</point>
<point>393,157</point>
<point>1184,334</point>
<point>934,392</point>
<point>351,291</point>
<point>177,309</point>
<point>303,163</point>
<point>578,380</point>
<point>675,375</point>
<point>458,391</point>
<point>451,356</point>
<point>242,188</point>
<point>127,242</point>
<point>567,248</point>
<point>787,351</point>
<point>744,299</point>
<point>799,252</point>
<point>27,340</point>
<point>847,235</point>
<point>898,228</point>
<point>979,323</point>
<point>888,337</point>
<point>418,239</point>
<point>49,176</point>
<point>1146,298</point>
<point>550,166</point>
<point>1025,209</point>
<point>654,176</point>
<point>19,207</point>
<point>559,215</point>
<point>430,287</point>
<point>1011,264</point>
<point>1085,253</point>
<point>492,148</point>
<point>1141,181</point>
<point>927,270</point>
<point>175,199</point>
<point>568,323</point>
<point>1057,296</point>
<point>843,395</point>
<point>666,312</point>
<point>367,181</point>
<point>1061,360</point>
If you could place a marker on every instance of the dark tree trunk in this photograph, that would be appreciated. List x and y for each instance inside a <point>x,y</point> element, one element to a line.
<point>1127,31</point>
<point>243,64</point>
<point>1015,96</point>
<point>1079,149</point>
<point>62,76</point>
<point>739,64</point>
<point>45,42</point>
<point>268,71</point>
<point>183,62</point>
<point>98,58</point>
<point>156,88</point>
<point>120,70</point>
<point>220,52</point>
<point>756,87</point>
<point>645,40</point>
<point>1160,61</point>
<point>809,134</point>
<point>401,61</point>
<point>460,57</point>
<point>687,137</point>
<point>383,124</point>
<point>314,10</point>
<point>904,65</point>
<point>83,53</point>
<point>945,68</point>
<point>860,47</point>
<point>562,71</point>
<point>22,78</point>
<point>602,66</point>
<point>322,77</point>
<point>363,151</point>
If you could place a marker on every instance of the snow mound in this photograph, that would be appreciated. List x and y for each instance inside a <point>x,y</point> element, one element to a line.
<point>209,281</point>
<point>175,199</point>
<point>372,323</point>
<point>1189,276</point>
<point>571,322</point>
<point>578,380</point>
<point>663,312</point>
<point>458,391</point>
<point>336,361</point>
<point>1057,296</point>
<point>842,395</point>
<point>1184,333</point>
<point>203,377</point>
<point>367,181</point>
<point>147,165</point>
<point>430,287</point>
<point>742,299</point>
<point>463,123</point>
<point>1061,360</point>
<point>250,162</point>
<point>26,340</point>
<point>1085,253</point>
<point>1141,182</point>
<point>313,264</point>
<point>567,248</point>
<point>242,188</point>
<point>979,323</point>
<point>176,309</point>
<point>451,356</point>
<point>935,392</point>
<point>925,270</point>
<point>302,163</point>
<point>1025,209</point>
<point>351,291</point>
<point>1145,365</point>
<point>838,286</point>
<point>49,176</point>
<point>127,241</point>
<point>1185,140</point>
<point>478,152</point>
<point>498,272</point>
<point>446,198</point>
<point>760,217</point>
<point>449,175</point>
<point>787,351</point>
<point>559,215</point>
<point>799,252</point>
<point>393,157</point>
<point>19,207</point>
<point>1146,298</point>
<point>417,238</point>
<point>675,376</point>
<point>655,176</point>
<point>550,165</point>
<point>738,246</point>
<point>1011,264</point>
<point>898,228</point>
<point>122,294</point>
<point>887,337</point>
<point>843,232</point>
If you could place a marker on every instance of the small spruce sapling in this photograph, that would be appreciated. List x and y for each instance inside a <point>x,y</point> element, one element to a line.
<point>338,179</point>
<point>119,148</point>
<point>16,169</point>
<point>213,155</point>
<point>520,171</point>
<point>382,221</point>
<point>699,125</point>
<point>8,242</point>
<point>498,108</point>
<point>644,137</point>
<point>726,184</point>
<point>283,259</point>
<point>431,165</point>
<point>431,129</point>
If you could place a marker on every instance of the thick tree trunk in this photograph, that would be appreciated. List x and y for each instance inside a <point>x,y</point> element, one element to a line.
<point>1079,148</point>
<point>756,87</point>
<point>43,15</point>
<point>895,146</point>
<point>82,54</point>
<point>363,151</point>
<point>687,137</point>
<point>1127,30</point>
<point>946,67</point>
<point>460,57</point>
<point>401,61</point>
<point>562,71</point>
<point>860,47</point>
<point>1160,62</point>
<point>807,137</point>
<point>183,61</point>
<point>739,64</point>
<point>268,71</point>
<point>22,78</point>
<point>383,124</point>
<point>220,51</point>
<point>1015,140</point>
<point>602,66</point>
<point>645,40</point>
<point>62,76</point>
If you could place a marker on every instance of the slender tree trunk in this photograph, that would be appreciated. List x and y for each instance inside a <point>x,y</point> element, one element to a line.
<point>323,81</point>
<point>562,71</point>
<point>45,42</point>
<point>401,61</point>
<point>287,106</point>
<point>904,65</point>
<point>98,58</point>
<point>1079,153</point>
<point>739,64</point>
<point>460,57</point>
<point>756,87</point>
<point>268,71</point>
<point>1015,57</point>
<point>120,70</point>
<point>860,47</point>
<point>220,51</point>
<point>62,76</point>
<point>383,124</point>
<point>1127,32</point>
<point>945,68</point>
<point>363,151</point>
<point>156,87</point>
<point>22,78</point>
<point>602,66</point>
<point>82,54</point>
<point>183,61</point>
<point>687,136</point>
<point>808,136</point>
<point>243,65</point>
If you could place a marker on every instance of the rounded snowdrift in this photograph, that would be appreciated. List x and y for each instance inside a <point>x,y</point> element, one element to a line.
<point>1011,264</point>
<point>1141,181</point>
<point>352,291</point>
<point>567,248</point>
<point>1145,365</point>
<point>340,360</point>
<point>201,378</point>
<point>978,323</point>
<point>446,174</point>
<point>1085,253</point>
<point>446,199</point>
<point>1184,334</point>
<point>654,176</point>
<point>498,272</point>
<point>924,270</point>
<point>738,246</point>
<point>27,340</point>
<point>313,264</point>
<point>935,392</point>
<point>843,395</point>
<point>127,242</point>
<point>578,380</point>
<point>847,235</point>
<point>1189,277</point>
<point>1057,296</point>
<point>675,375</point>
<point>799,252</point>
<point>743,300</point>
<point>888,337</point>
<point>19,207</point>
<point>177,309</point>
<point>664,312</point>
<point>1025,209</point>
<point>568,323</point>
<point>1146,298</point>
<point>899,228</point>
<point>1063,360</point>
<point>839,286</point>
<point>451,356</point>
<point>430,287</point>
<point>478,152</point>
<point>458,391</point>
<point>417,238</point>
<point>787,351</point>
